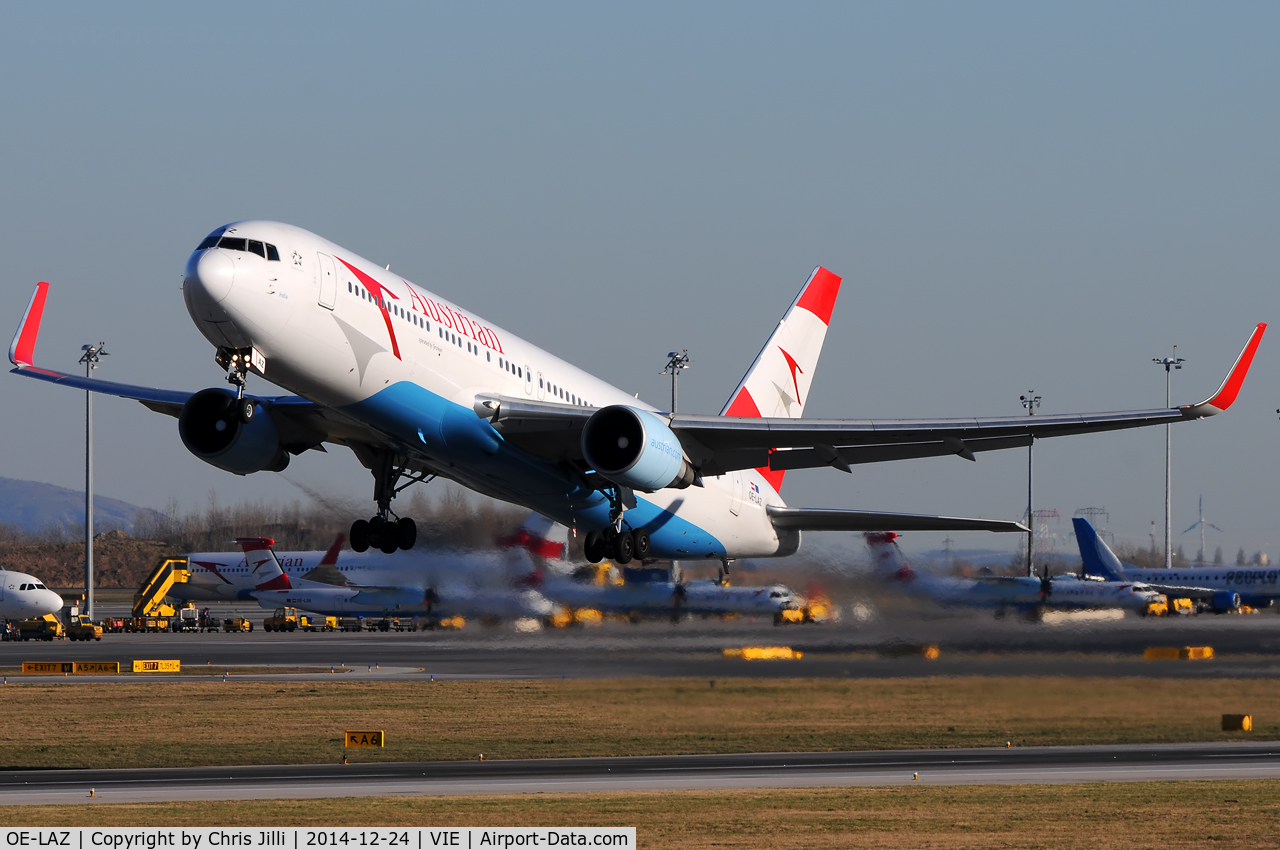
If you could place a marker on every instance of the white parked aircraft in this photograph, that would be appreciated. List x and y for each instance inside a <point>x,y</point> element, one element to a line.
<point>1024,594</point>
<point>1222,589</point>
<point>24,597</point>
<point>417,387</point>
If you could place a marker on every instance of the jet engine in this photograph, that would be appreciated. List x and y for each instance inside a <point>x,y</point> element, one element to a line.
<point>1226,600</point>
<point>635,449</point>
<point>211,430</point>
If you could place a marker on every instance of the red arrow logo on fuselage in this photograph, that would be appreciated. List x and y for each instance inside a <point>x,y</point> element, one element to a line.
<point>378,291</point>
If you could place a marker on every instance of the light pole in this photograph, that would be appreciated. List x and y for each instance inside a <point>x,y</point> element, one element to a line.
<point>90,359</point>
<point>677,361</point>
<point>1169,364</point>
<point>1032,403</point>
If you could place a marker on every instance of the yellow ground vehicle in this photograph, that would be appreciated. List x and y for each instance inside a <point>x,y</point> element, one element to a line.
<point>1181,606</point>
<point>283,620</point>
<point>237,624</point>
<point>82,628</point>
<point>1158,608</point>
<point>47,627</point>
<point>312,623</point>
<point>150,612</point>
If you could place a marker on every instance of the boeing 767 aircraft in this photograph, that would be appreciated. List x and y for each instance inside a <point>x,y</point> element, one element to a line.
<point>418,387</point>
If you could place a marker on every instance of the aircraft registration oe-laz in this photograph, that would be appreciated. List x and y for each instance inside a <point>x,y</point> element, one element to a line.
<point>417,387</point>
<point>1219,589</point>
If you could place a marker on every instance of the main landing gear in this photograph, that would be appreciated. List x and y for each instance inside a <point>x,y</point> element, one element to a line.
<point>618,545</point>
<point>385,531</point>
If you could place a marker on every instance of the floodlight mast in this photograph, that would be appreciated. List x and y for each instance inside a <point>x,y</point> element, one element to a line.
<point>1169,364</point>
<point>90,358</point>
<point>677,361</point>
<point>1032,403</point>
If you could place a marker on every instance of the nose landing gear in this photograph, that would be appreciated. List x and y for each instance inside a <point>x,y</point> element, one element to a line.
<point>237,362</point>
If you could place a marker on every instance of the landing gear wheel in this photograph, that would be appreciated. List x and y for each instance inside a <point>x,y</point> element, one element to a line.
<point>359,536</point>
<point>642,544</point>
<point>388,538</point>
<point>624,548</point>
<point>376,527</point>
<point>406,533</point>
<point>244,410</point>
<point>593,547</point>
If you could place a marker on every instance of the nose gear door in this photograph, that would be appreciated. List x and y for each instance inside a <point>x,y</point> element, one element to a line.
<point>328,279</point>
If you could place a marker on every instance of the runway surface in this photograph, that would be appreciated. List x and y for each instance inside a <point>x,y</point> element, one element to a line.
<point>1245,646</point>
<point>653,773</point>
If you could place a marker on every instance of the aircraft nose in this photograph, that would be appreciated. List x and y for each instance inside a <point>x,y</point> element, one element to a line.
<point>213,273</point>
<point>54,602</point>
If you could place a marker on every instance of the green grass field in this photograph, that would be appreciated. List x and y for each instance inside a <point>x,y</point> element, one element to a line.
<point>83,724</point>
<point>1099,817</point>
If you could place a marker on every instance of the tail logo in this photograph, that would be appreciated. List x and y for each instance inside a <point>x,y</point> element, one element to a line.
<point>795,367</point>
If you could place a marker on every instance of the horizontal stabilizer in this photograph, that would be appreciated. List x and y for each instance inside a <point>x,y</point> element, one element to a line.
<point>834,519</point>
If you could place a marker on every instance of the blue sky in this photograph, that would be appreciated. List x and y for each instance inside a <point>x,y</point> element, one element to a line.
<point>1019,196</point>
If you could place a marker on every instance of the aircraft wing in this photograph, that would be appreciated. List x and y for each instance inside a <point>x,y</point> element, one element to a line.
<point>832,519</point>
<point>718,444</point>
<point>1175,590</point>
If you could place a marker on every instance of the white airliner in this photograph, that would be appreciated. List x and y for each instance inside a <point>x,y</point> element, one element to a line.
<point>1221,588</point>
<point>418,387</point>
<point>1023,594</point>
<point>24,597</point>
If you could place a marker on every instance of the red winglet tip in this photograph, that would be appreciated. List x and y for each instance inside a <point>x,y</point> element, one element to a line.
<point>1230,388</point>
<point>819,296</point>
<point>22,350</point>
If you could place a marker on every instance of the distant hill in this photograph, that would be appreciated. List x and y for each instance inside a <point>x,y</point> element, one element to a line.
<point>34,506</point>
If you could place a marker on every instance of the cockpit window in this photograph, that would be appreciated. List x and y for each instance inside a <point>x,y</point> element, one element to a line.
<point>40,586</point>
<point>24,587</point>
<point>212,239</point>
<point>235,243</point>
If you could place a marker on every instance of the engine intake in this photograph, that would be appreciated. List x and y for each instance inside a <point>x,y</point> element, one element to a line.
<point>212,432</point>
<point>635,449</point>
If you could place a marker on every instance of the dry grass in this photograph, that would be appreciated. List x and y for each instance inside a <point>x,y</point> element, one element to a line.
<point>82,724</point>
<point>1099,817</point>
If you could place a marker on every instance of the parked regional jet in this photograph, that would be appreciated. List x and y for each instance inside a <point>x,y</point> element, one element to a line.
<point>446,584</point>
<point>1024,594</point>
<point>417,388</point>
<point>1222,588</point>
<point>24,597</point>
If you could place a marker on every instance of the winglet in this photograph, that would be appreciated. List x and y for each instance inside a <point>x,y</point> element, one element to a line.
<point>23,348</point>
<point>1226,394</point>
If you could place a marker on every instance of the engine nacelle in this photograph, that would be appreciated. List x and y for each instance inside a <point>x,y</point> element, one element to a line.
<point>212,432</point>
<point>1226,600</point>
<point>636,449</point>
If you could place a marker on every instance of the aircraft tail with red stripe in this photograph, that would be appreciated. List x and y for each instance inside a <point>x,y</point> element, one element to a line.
<point>777,384</point>
<point>263,564</point>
